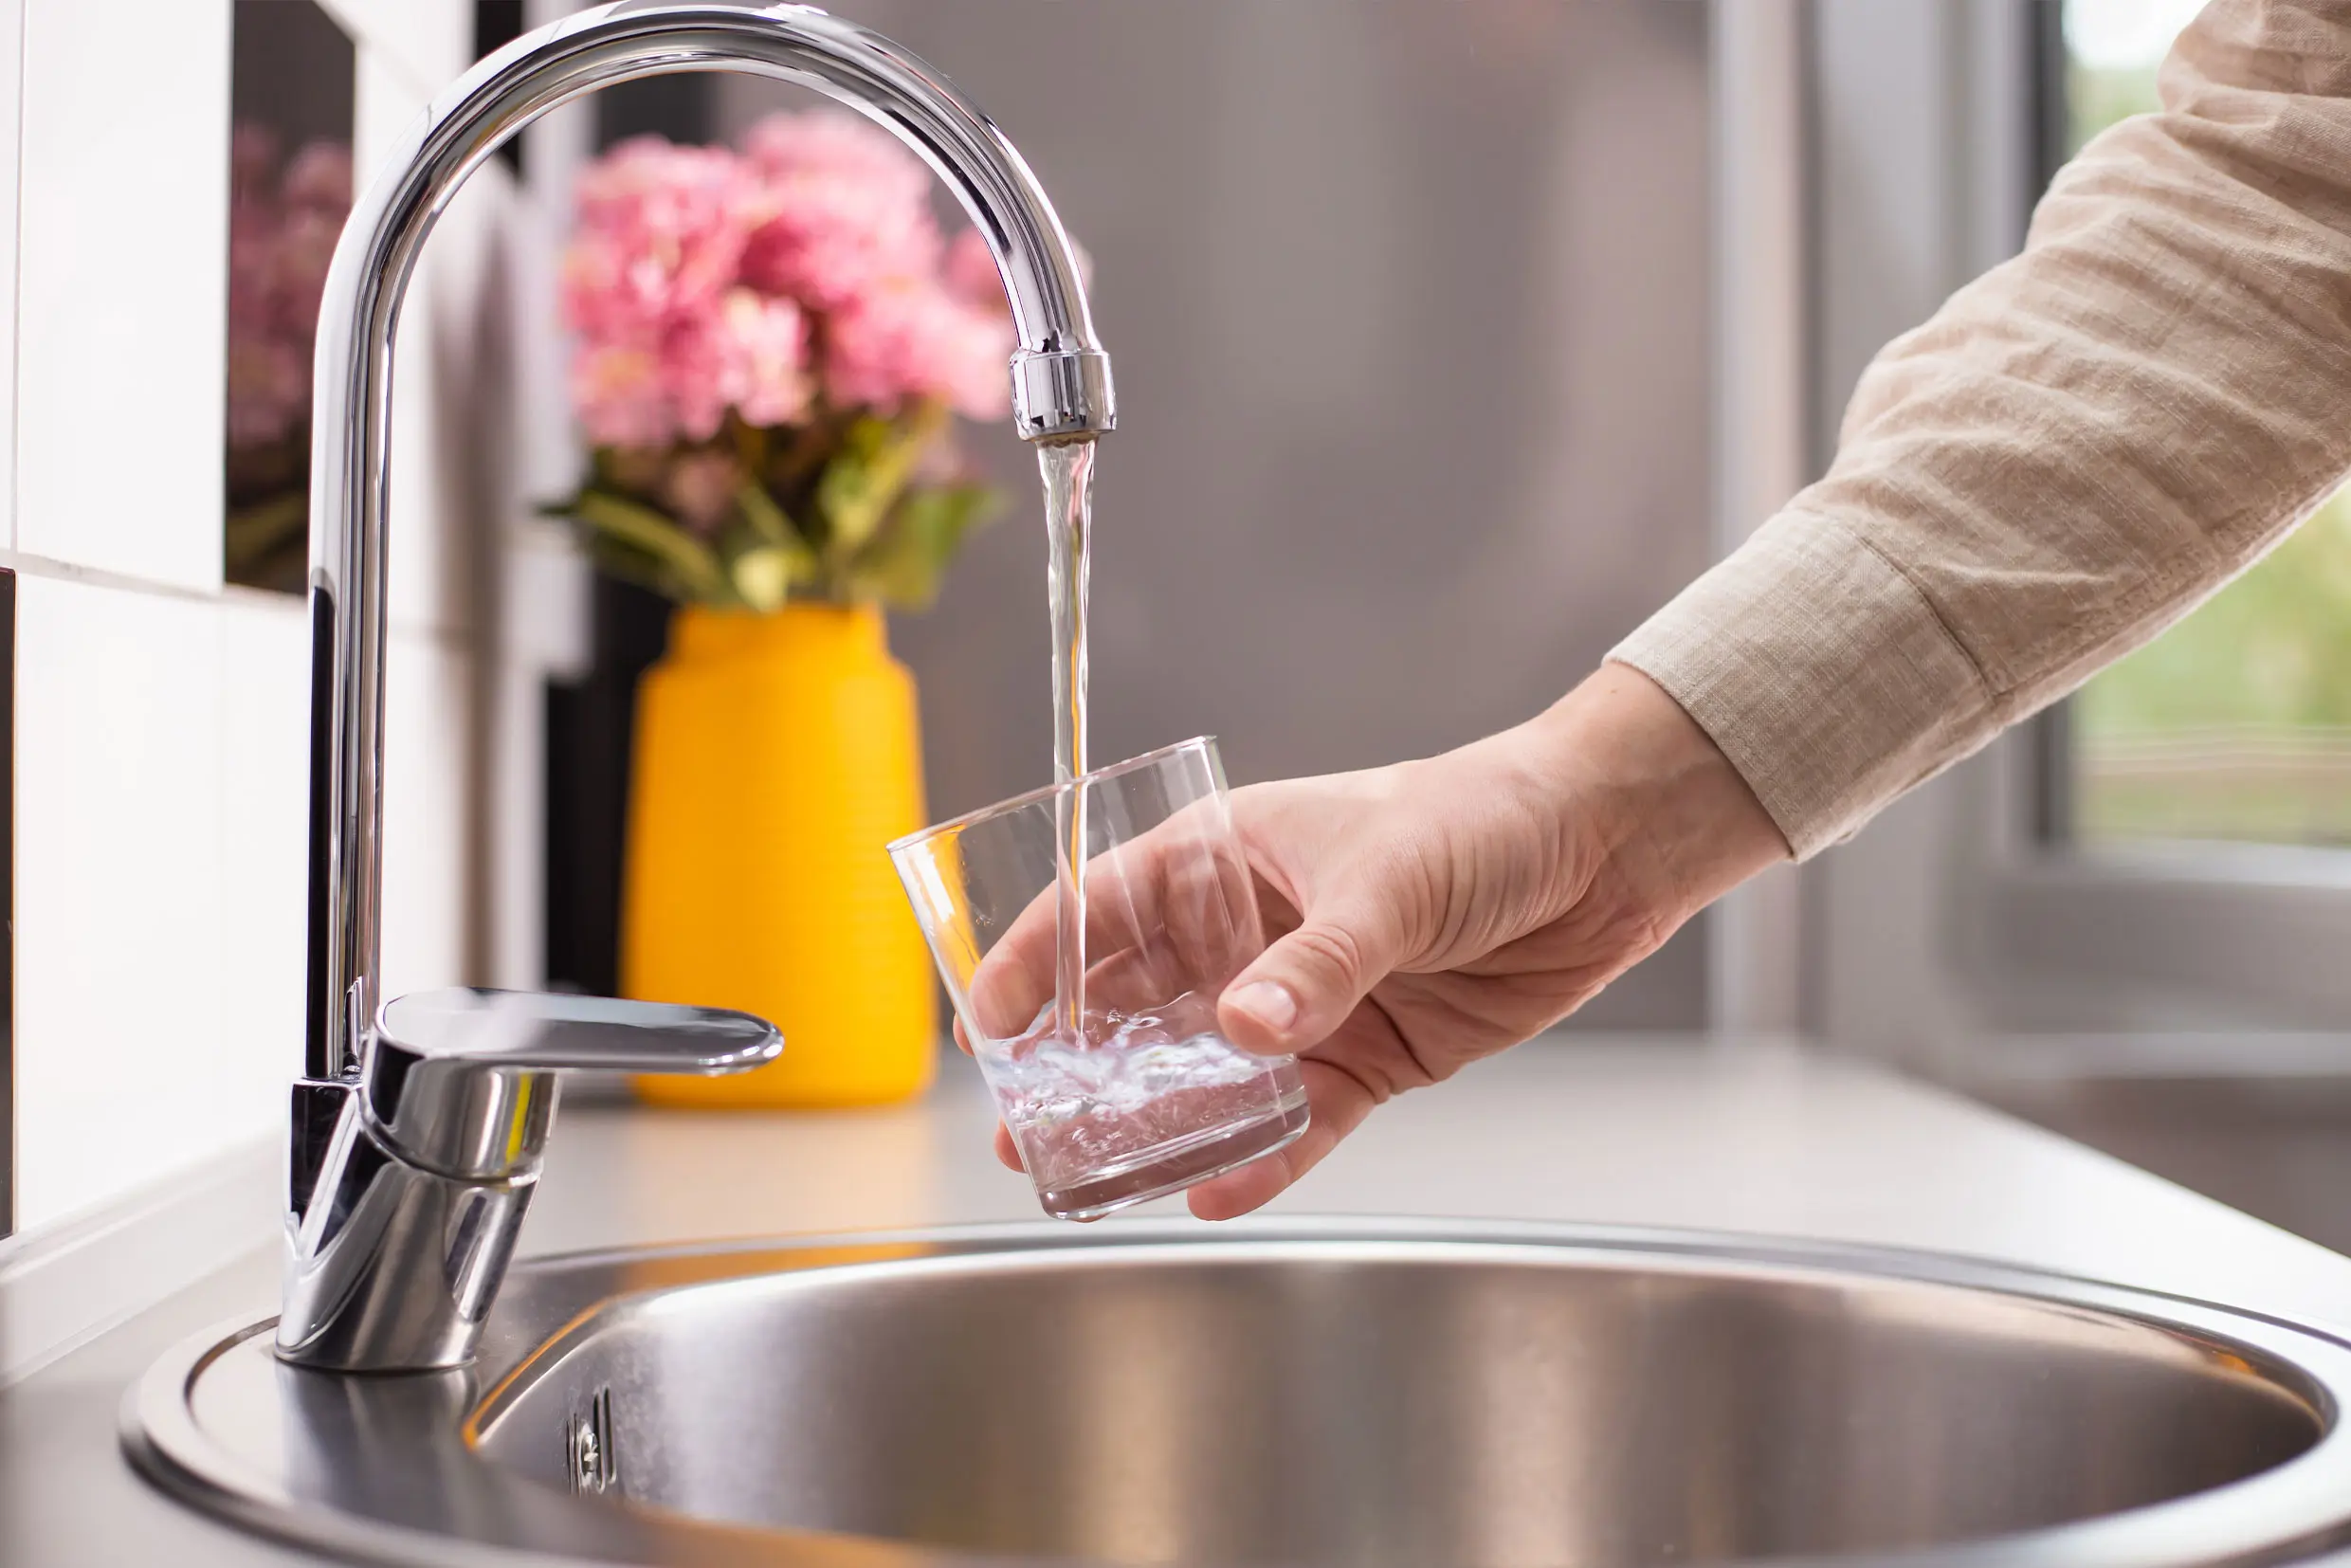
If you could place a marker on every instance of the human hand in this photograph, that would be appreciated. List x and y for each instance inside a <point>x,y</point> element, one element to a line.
<point>1432,913</point>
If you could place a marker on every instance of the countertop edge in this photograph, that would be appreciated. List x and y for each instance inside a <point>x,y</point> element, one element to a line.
<point>65,1285</point>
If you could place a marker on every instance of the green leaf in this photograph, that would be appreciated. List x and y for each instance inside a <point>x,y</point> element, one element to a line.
<point>253,533</point>
<point>762,576</point>
<point>905,564</point>
<point>865,478</point>
<point>785,559</point>
<point>615,559</point>
<point>767,518</point>
<point>636,470</point>
<point>751,444</point>
<point>691,565</point>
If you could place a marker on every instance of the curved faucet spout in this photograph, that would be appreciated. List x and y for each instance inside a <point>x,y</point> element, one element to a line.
<point>1061,376</point>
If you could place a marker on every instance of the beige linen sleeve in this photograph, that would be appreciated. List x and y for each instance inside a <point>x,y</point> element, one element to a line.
<point>2073,452</point>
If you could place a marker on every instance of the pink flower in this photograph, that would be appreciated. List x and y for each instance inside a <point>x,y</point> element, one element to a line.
<point>304,249</point>
<point>268,389</point>
<point>697,281</point>
<point>282,227</point>
<point>661,235</point>
<point>668,339</point>
<point>916,341</point>
<point>742,351</point>
<point>849,209</point>
<point>972,275</point>
<point>617,391</point>
<point>745,354</point>
<point>319,177</point>
<point>253,154</point>
<point>700,486</point>
<point>252,246</point>
<point>831,144</point>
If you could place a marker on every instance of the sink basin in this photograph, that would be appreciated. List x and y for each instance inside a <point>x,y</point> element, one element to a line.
<point>1288,1393</point>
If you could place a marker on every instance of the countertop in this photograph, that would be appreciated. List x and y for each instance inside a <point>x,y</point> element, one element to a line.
<point>1726,1137</point>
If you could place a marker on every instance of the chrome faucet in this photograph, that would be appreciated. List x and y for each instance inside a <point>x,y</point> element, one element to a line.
<point>419,1124</point>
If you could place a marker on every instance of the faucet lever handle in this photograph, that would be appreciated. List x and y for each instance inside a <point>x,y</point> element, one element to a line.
<point>461,1081</point>
<point>542,1032</point>
<point>411,1180</point>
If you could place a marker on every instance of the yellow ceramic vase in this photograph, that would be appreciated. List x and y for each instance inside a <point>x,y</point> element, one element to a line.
<point>775,756</point>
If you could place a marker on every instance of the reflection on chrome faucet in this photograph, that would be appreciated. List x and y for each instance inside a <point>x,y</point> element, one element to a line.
<point>418,1126</point>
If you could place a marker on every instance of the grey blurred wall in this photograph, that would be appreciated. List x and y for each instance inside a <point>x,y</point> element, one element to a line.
<point>1409,304</point>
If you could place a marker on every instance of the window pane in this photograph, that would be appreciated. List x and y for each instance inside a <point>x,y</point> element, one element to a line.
<point>2236,723</point>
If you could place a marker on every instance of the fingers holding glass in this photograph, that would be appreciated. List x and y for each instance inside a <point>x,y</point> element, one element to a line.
<point>1147,1096</point>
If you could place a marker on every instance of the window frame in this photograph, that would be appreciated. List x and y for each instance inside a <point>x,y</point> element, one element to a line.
<point>1966,912</point>
<point>2230,928</point>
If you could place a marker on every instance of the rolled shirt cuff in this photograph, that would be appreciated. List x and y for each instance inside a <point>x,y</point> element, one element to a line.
<point>1822,672</point>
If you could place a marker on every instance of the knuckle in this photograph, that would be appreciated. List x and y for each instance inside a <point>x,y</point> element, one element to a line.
<point>1333,949</point>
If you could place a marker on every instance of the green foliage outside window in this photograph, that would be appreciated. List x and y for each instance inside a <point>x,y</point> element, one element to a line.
<point>2236,723</point>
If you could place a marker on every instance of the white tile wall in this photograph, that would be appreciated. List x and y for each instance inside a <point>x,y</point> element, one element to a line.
<point>119,1072</point>
<point>162,751</point>
<point>387,100</point>
<point>264,718</point>
<point>425,853</point>
<point>162,746</point>
<point>262,897</point>
<point>428,41</point>
<point>12,125</point>
<point>122,272</point>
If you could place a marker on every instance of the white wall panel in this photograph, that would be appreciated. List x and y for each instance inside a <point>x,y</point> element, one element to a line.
<point>427,41</point>
<point>427,850</point>
<point>163,720</point>
<point>265,806</point>
<point>12,127</point>
<point>120,1078</point>
<point>122,270</point>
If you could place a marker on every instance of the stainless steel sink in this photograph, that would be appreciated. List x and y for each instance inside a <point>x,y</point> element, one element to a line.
<point>1311,1393</point>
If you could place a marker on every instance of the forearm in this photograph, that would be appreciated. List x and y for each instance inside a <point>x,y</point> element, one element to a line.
<point>2077,448</point>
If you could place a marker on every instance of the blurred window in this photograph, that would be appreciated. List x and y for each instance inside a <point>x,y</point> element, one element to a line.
<point>2235,724</point>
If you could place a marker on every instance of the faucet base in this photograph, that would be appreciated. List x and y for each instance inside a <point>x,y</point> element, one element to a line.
<point>388,1265</point>
<point>410,1179</point>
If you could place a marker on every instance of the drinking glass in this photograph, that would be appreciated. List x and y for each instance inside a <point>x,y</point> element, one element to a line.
<point>1145,1096</point>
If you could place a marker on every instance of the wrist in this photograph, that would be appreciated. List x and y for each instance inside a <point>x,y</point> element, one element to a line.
<point>1663,810</point>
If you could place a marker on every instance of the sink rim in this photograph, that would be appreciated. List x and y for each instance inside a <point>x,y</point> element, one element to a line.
<point>2292,1510</point>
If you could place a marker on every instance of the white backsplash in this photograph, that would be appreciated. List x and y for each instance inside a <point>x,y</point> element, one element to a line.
<point>162,731</point>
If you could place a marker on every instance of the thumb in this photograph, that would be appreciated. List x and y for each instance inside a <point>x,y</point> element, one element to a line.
<point>1302,988</point>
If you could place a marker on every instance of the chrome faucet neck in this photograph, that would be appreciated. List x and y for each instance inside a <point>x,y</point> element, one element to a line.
<point>363,1291</point>
<point>1061,376</point>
